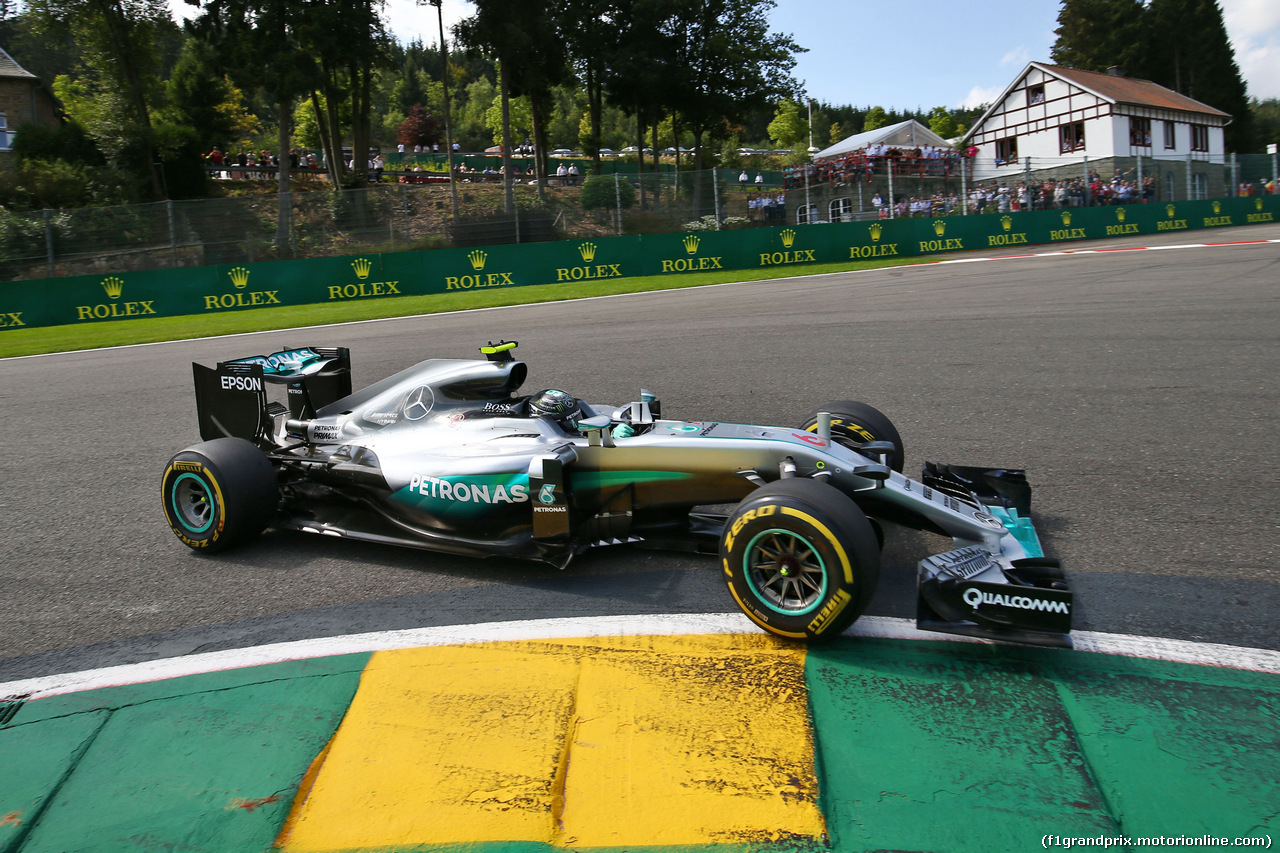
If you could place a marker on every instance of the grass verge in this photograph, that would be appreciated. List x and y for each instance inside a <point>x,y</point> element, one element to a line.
<point>82,336</point>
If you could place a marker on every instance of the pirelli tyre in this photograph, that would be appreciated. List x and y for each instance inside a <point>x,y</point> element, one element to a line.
<point>800,558</point>
<point>219,493</point>
<point>854,424</point>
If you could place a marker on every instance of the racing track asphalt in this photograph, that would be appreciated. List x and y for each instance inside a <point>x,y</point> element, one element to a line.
<point>1137,388</point>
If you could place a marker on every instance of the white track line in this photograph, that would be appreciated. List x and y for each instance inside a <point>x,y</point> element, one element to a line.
<point>1155,648</point>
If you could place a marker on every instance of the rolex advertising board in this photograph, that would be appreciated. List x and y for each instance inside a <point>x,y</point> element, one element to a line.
<point>376,276</point>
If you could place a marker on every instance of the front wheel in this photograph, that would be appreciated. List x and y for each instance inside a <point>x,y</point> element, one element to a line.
<point>854,424</point>
<point>800,558</point>
<point>219,493</point>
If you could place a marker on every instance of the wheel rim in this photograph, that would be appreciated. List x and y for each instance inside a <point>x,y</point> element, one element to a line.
<point>785,572</point>
<point>193,503</point>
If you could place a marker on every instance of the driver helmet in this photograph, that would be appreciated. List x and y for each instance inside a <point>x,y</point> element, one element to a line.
<point>560,406</point>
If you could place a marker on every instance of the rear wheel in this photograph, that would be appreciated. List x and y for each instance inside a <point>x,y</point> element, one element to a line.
<point>219,493</point>
<point>800,558</point>
<point>854,424</point>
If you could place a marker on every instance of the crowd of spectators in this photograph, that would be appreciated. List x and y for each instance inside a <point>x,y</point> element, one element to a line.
<point>877,159</point>
<point>1122,188</point>
<point>255,165</point>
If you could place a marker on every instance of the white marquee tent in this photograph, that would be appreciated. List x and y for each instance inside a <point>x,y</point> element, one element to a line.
<point>904,134</point>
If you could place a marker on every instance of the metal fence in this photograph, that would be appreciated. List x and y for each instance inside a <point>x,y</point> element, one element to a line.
<point>385,217</point>
<point>483,210</point>
<point>860,186</point>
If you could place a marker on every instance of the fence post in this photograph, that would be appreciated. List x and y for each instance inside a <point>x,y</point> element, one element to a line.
<point>48,243</point>
<point>715,194</point>
<point>1088,187</point>
<point>1027,203</point>
<point>1235,174</point>
<point>964,190</point>
<point>1141,194</point>
<point>408,219</point>
<point>893,207</point>
<point>617,200</point>
<point>1190,188</point>
<point>173,232</point>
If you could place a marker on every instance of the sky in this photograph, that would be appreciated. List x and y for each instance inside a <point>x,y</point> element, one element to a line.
<point>924,53</point>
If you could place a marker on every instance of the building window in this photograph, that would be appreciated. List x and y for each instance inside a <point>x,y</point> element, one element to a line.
<point>1072,136</point>
<point>806,214</point>
<point>841,208</point>
<point>1006,150</point>
<point>1199,137</point>
<point>1170,135</point>
<point>6,139</point>
<point>1035,95</point>
<point>1140,132</point>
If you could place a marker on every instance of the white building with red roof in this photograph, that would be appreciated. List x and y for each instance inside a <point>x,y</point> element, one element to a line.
<point>1051,117</point>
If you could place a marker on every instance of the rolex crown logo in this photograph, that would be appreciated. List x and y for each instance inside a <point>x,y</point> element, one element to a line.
<point>1006,222</point>
<point>362,267</point>
<point>113,286</point>
<point>239,276</point>
<point>939,227</point>
<point>1217,207</point>
<point>1120,213</point>
<point>1066,217</point>
<point>588,252</point>
<point>1257,203</point>
<point>477,258</point>
<point>691,242</point>
<point>875,228</point>
<point>1169,210</point>
<point>788,237</point>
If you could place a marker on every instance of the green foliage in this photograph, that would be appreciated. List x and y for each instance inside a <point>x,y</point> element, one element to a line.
<point>788,126</point>
<point>57,184</point>
<point>67,142</point>
<point>1094,35</point>
<point>1266,122</point>
<point>943,122</point>
<point>1180,44</point>
<point>606,192</point>
<point>876,119</point>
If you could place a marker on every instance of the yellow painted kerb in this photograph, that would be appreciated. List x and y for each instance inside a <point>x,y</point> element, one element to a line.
<point>582,743</point>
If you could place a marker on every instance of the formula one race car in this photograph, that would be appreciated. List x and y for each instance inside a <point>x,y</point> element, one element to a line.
<point>445,456</point>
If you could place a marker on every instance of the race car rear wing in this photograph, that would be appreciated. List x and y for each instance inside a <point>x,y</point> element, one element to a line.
<point>231,399</point>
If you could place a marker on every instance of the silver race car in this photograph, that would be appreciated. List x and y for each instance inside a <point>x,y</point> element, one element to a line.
<point>446,456</point>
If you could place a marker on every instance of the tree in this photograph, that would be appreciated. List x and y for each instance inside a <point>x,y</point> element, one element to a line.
<point>788,127</point>
<point>122,62</point>
<point>419,128</point>
<point>876,119</point>
<point>728,62</point>
<point>1266,122</point>
<point>257,42</point>
<point>1180,44</point>
<point>942,122</point>
<point>1094,35</point>
<point>1191,54</point>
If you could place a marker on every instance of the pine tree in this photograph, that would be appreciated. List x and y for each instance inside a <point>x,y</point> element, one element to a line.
<point>1191,54</point>
<point>1094,35</point>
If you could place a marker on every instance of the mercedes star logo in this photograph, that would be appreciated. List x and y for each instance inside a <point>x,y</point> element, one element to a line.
<point>419,402</point>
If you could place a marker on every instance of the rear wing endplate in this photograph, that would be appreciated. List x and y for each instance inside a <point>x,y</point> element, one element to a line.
<point>231,399</point>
